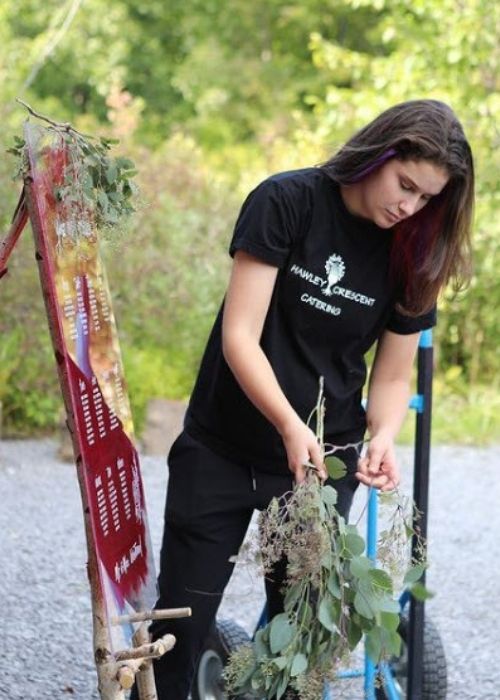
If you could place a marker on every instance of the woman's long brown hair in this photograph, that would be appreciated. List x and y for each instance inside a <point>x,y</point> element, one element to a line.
<point>432,247</point>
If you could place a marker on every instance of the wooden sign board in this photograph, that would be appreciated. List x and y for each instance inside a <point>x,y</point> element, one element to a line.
<point>91,372</point>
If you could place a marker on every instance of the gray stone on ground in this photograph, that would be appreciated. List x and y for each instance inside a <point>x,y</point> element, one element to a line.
<point>45,614</point>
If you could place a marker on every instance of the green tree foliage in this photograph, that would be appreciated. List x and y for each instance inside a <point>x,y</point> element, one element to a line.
<point>208,98</point>
<point>448,50</point>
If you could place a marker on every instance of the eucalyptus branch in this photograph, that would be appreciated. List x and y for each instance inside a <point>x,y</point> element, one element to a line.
<point>93,189</point>
<point>333,594</point>
<point>63,126</point>
<point>30,109</point>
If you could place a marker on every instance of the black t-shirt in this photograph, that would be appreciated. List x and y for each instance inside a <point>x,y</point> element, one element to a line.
<point>331,301</point>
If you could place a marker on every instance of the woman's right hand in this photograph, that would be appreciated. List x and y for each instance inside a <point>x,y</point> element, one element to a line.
<point>302,446</point>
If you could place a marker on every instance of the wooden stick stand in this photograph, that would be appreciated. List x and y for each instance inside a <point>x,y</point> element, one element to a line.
<point>117,672</point>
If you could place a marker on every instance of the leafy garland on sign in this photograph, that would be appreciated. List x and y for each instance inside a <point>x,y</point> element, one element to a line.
<point>334,594</point>
<point>95,185</point>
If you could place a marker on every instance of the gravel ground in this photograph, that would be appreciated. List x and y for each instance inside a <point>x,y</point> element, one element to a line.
<point>45,618</point>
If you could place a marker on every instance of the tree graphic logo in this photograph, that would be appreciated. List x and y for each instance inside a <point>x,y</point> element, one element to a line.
<point>335,269</point>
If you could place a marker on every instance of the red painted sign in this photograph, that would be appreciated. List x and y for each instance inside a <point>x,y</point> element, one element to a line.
<point>90,367</point>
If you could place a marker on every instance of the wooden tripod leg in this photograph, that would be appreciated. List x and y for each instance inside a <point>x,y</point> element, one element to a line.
<point>18,223</point>
<point>145,678</point>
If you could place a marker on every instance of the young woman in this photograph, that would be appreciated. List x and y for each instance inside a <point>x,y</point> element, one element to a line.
<point>327,261</point>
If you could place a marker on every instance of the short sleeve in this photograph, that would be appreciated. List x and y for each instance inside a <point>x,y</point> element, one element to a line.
<point>268,223</point>
<point>405,325</point>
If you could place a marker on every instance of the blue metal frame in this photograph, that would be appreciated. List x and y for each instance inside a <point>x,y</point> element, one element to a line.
<point>421,404</point>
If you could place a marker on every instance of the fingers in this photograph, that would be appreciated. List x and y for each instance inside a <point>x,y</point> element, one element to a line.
<point>382,482</point>
<point>317,460</point>
<point>378,468</point>
<point>299,473</point>
<point>371,464</point>
<point>300,470</point>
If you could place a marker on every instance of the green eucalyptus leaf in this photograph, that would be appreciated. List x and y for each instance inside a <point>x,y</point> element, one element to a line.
<point>387,604</point>
<point>249,671</point>
<point>364,606</point>
<point>305,614</point>
<point>126,188</point>
<point>323,511</point>
<point>392,643</point>
<point>111,173</point>
<point>96,175</point>
<point>329,495</point>
<point>335,467</point>
<point>125,163</point>
<point>355,544</point>
<point>281,633</point>
<point>364,623</point>
<point>333,584</point>
<point>390,621</point>
<point>274,685</point>
<point>326,614</point>
<point>360,566</point>
<point>112,215</point>
<point>283,685</point>
<point>107,142</point>
<point>414,574</point>
<point>293,595</point>
<point>381,580</point>
<point>299,664</point>
<point>261,644</point>
<point>257,682</point>
<point>87,183</point>
<point>348,592</point>
<point>354,633</point>
<point>374,644</point>
<point>365,587</point>
<point>128,173</point>
<point>420,592</point>
<point>388,498</point>
<point>351,529</point>
<point>92,161</point>
<point>322,647</point>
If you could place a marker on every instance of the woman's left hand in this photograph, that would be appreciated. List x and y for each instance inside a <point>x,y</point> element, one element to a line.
<point>378,467</point>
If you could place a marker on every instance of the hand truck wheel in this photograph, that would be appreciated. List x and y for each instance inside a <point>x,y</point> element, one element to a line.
<point>224,638</point>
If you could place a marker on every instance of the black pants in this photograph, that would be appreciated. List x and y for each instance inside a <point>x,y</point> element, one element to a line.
<point>210,502</point>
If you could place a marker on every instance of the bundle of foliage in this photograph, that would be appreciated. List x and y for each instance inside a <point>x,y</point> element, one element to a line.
<point>334,594</point>
<point>94,185</point>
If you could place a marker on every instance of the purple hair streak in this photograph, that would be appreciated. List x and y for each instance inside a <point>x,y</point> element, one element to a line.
<point>386,155</point>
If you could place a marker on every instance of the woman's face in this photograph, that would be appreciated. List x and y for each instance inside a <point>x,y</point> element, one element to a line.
<point>397,190</point>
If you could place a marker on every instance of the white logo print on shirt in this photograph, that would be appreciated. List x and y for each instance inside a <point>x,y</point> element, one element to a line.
<point>335,269</point>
